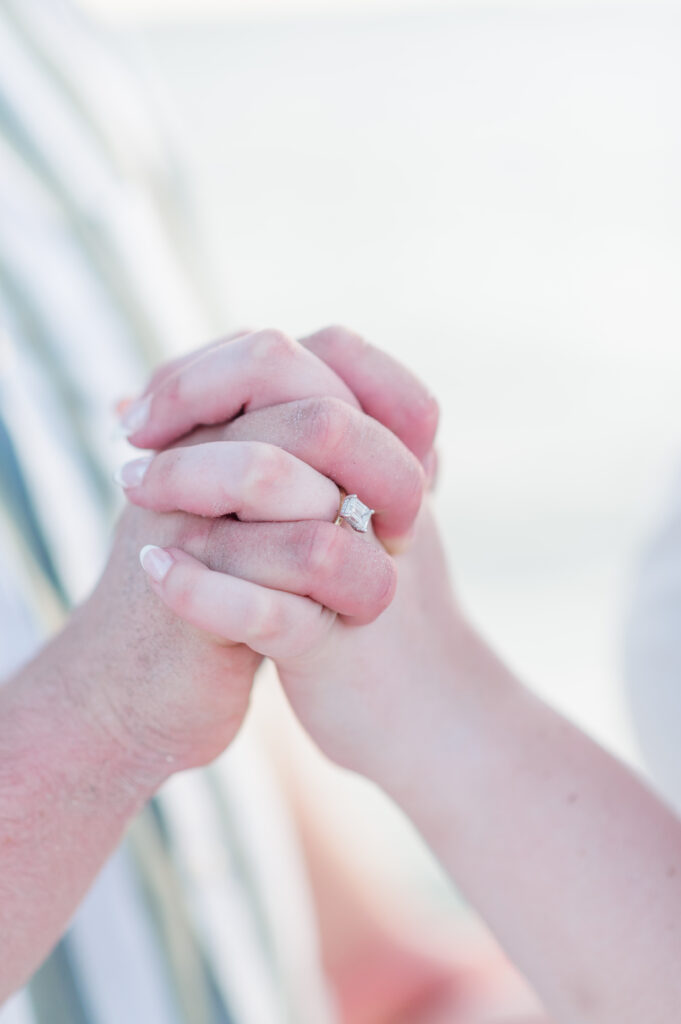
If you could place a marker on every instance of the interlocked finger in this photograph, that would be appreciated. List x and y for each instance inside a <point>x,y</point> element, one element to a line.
<point>250,479</point>
<point>256,370</point>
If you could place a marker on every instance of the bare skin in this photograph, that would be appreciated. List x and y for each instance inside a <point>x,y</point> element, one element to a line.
<point>126,695</point>
<point>387,955</point>
<point>573,862</point>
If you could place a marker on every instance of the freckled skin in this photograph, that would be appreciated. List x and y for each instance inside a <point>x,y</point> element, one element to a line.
<point>128,693</point>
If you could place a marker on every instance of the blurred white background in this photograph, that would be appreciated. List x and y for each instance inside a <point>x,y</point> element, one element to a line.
<point>492,192</point>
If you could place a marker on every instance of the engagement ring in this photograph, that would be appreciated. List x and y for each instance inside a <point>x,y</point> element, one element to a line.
<point>354,512</point>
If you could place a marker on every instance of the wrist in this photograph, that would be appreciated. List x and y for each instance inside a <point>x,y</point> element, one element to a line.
<point>70,786</point>
<point>459,736</point>
<point>73,729</point>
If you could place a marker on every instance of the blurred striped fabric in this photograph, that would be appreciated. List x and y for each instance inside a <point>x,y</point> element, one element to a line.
<point>202,915</point>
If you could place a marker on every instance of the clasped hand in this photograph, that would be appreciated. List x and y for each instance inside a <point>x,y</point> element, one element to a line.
<point>255,439</point>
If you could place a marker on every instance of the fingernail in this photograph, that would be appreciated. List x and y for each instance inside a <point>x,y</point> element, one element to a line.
<point>156,562</point>
<point>133,473</point>
<point>135,416</point>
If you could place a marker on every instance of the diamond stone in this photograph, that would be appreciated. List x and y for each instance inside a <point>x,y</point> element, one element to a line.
<point>356,513</point>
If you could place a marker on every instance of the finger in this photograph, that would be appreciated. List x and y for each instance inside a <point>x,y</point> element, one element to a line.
<point>346,571</point>
<point>256,370</point>
<point>255,481</point>
<point>360,454</point>
<point>168,369</point>
<point>385,389</point>
<point>272,623</point>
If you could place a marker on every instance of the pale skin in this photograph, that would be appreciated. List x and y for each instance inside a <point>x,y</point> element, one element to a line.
<point>573,862</point>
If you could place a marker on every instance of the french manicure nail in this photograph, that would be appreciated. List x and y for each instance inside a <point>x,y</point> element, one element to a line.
<point>156,562</point>
<point>135,416</point>
<point>133,473</point>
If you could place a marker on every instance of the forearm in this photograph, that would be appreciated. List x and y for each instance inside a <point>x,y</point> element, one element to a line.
<point>68,786</point>
<point>574,864</point>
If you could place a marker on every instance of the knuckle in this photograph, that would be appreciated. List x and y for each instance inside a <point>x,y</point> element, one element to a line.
<point>323,422</point>
<point>265,618</point>
<point>173,388</point>
<point>180,592</point>
<point>260,468</point>
<point>271,344</point>
<point>318,550</point>
<point>338,336</point>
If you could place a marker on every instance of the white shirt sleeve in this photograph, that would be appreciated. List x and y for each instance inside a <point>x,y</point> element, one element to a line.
<point>653,654</point>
